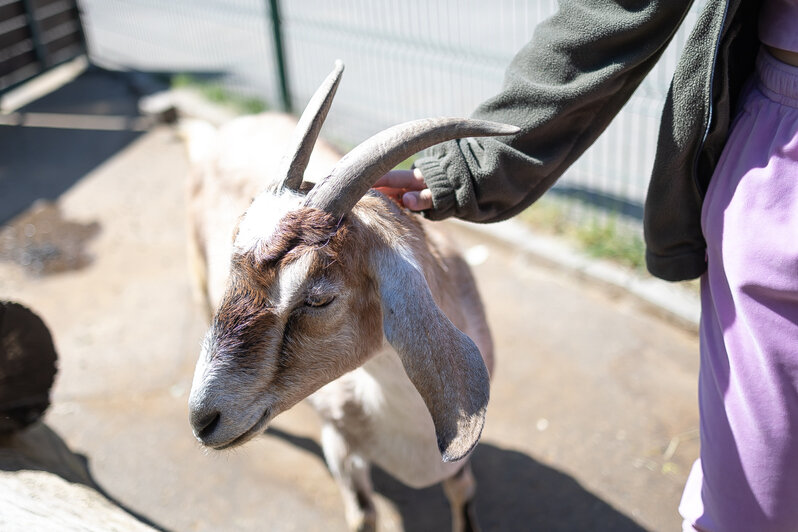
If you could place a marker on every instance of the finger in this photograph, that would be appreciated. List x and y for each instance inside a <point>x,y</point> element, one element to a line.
<point>393,193</point>
<point>417,200</point>
<point>406,179</point>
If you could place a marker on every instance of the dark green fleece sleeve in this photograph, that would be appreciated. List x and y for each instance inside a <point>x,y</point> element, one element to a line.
<point>562,89</point>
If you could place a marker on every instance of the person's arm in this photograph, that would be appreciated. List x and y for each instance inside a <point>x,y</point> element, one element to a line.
<point>562,89</point>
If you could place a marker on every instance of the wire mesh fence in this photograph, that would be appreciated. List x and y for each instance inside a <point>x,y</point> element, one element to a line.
<point>405,60</point>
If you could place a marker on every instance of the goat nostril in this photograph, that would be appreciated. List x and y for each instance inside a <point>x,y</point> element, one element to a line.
<point>208,424</point>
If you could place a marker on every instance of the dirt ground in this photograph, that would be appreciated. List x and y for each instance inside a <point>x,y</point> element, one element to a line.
<point>592,423</point>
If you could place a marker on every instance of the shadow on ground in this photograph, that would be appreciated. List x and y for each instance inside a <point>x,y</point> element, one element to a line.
<point>514,492</point>
<point>39,448</point>
<point>48,145</point>
<point>59,138</point>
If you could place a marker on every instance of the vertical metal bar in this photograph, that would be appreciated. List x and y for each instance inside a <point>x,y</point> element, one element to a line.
<point>36,34</point>
<point>277,35</point>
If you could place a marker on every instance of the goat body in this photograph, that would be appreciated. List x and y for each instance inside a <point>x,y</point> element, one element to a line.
<point>376,407</point>
<point>338,295</point>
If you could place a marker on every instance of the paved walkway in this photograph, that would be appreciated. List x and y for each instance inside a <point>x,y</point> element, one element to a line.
<point>592,423</point>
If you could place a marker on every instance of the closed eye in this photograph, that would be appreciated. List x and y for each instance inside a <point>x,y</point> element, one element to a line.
<point>318,301</point>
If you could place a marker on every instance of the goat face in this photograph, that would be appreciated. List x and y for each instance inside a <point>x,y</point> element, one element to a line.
<point>313,288</point>
<point>300,310</point>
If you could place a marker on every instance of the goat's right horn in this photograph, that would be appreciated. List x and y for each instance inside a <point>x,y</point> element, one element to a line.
<point>359,169</point>
<point>294,163</point>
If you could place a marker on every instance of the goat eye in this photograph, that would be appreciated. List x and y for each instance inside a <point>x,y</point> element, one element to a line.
<point>317,301</point>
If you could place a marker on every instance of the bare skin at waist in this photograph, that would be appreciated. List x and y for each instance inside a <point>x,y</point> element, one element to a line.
<point>785,56</point>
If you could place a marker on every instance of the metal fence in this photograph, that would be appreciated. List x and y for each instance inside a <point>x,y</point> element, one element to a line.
<point>405,60</point>
<point>36,35</point>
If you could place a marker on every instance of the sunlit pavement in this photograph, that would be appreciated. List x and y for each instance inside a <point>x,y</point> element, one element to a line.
<point>592,423</point>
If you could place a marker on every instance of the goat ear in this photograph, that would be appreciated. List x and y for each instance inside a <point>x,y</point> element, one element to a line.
<point>443,364</point>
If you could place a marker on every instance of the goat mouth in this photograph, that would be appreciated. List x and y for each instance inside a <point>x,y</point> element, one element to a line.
<point>254,430</point>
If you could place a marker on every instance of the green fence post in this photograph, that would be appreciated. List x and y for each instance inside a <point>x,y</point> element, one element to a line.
<point>277,35</point>
<point>36,35</point>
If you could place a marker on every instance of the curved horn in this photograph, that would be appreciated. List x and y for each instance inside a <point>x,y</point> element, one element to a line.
<point>357,171</point>
<point>293,164</point>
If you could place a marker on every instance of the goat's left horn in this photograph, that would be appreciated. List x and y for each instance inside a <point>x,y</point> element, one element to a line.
<point>294,163</point>
<point>359,169</point>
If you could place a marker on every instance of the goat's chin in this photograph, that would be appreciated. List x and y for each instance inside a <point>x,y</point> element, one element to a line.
<point>256,429</point>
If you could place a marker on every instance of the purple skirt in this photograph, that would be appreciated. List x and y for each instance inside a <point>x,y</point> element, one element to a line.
<point>747,476</point>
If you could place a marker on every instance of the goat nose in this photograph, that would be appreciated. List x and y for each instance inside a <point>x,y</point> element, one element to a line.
<point>204,423</point>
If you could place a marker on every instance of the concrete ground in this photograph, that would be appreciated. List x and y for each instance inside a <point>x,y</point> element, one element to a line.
<point>592,423</point>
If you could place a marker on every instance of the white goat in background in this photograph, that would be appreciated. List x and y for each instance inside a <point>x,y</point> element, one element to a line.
<point>335,293</point>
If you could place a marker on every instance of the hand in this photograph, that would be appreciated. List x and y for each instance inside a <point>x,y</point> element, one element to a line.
<point>407,187</point>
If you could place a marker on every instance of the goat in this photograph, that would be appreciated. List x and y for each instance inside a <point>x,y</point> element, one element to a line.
<point>337,294</point>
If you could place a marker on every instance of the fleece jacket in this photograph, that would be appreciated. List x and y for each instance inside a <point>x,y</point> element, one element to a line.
<point>566,85</point>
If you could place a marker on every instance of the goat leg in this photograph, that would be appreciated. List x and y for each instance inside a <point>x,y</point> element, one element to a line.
<point>352,473</point>
<point>460,489</point>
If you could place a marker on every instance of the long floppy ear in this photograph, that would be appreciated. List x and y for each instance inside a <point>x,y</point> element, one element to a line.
<point>443,364</point>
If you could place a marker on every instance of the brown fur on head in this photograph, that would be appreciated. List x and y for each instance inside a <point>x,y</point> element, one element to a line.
<point>301,309</point>
<point>312,301</point>
<point>318,279</point>
<point>333,271</point>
